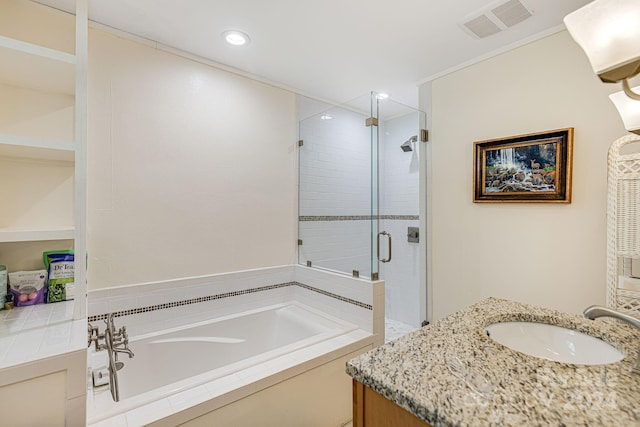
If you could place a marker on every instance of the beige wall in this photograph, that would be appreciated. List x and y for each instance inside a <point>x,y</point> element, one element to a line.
<point>551,255</point>
<point>191,170</point>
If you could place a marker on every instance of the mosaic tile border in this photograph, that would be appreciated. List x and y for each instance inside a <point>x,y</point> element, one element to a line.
<point>226,295</point>
<point>400,217</point>
<point>356,217</point>
<point>336,296</point>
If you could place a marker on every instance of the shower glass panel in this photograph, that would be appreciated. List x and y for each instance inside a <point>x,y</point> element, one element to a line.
<point>359,198</point>
<point>398,146</point>
<point>336,222</point>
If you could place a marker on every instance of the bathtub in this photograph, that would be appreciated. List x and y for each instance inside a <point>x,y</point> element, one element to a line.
<point>209,363</point>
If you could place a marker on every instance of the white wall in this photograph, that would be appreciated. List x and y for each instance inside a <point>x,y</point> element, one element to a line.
<point>551,255</point>
<point>191,169</point>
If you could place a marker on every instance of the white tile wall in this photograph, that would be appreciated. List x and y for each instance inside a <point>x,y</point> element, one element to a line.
<point>361,290</point>
<point>358,289</point>
<point>123,298</point>
<point>144,323</point>
<point>145,294</point>
<point>335,165</point>
<point>399,170</point>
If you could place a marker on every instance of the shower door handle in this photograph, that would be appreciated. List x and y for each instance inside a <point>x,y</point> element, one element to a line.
<point>384,233</point>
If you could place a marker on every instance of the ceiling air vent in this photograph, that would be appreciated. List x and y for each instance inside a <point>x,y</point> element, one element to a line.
<point>511,13</point>
<point>482,26</point>
<point>495,17</point>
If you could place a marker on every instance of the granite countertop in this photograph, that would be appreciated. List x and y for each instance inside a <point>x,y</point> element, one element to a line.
<point>451,374</point>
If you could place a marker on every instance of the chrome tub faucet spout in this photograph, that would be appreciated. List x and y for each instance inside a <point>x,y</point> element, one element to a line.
<point>595,311</point>
<point>124,350</point>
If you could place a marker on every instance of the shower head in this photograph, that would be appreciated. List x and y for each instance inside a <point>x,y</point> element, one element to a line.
<point>406,146</point>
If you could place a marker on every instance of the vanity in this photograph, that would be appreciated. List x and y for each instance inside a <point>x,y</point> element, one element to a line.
<point>452,373</point>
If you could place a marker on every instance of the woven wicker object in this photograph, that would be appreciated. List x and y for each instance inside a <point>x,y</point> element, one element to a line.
<point>623,223</point>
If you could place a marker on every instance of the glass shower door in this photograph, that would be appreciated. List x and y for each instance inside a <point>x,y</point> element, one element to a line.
<point>336,159</point>
<point>398,146</point>
<point>359,199</point>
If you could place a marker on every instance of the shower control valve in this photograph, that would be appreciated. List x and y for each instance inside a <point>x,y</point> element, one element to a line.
<point>413,235</point>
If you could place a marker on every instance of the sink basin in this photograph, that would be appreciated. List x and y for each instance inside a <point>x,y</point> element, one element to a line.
<point>553,343</point>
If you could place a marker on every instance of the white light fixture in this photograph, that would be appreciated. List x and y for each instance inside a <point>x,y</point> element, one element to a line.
<point>609,33</point>
<point>236,38</point>
<point>326,117</point>
<point>382,95</point>
<point>629,110</point>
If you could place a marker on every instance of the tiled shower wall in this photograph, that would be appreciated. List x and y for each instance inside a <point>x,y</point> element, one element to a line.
<point>335,202</point>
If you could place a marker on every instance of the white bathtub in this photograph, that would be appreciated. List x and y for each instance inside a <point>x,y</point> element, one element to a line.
<point>183,359</point>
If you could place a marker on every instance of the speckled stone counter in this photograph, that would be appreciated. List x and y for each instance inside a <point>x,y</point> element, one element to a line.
<point>451,374</point>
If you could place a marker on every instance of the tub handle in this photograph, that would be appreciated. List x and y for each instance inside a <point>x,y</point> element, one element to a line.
<point>384,233</point>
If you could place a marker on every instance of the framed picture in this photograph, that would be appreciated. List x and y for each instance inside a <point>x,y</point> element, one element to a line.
<point>524,168</point>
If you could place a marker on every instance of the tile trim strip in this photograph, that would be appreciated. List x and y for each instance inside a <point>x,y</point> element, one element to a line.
<point>166,305</point>
<point>336,296</point>
<point>356,217</point>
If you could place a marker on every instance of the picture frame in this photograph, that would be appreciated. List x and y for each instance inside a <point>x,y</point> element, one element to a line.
<point>532,168</point>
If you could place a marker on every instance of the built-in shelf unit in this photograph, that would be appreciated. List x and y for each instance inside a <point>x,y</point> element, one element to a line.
<point>43,99</point>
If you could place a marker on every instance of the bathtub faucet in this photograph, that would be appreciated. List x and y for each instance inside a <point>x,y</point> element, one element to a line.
<point>119,338</point>
<point>596,311</point>
<point>94,336</point>
<point>123,350</point>
<point>114,341</point>
<point>117,341</point>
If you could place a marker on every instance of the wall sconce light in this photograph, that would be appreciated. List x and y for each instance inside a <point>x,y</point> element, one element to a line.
<point>629,110</point>
<point>609,33</point>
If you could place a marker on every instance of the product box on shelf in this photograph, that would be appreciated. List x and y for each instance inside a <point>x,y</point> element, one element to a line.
<point>28,287</point>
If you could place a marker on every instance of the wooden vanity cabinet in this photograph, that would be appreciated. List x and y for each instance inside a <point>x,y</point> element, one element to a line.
<point>371,409</point>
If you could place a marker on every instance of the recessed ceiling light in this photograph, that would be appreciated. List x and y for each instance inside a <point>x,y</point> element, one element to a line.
<point>236,38</point>
<point>326,117</point>
<point>382,95</point>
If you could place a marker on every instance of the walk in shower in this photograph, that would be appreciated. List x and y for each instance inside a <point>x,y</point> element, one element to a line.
<point>359,186</point>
